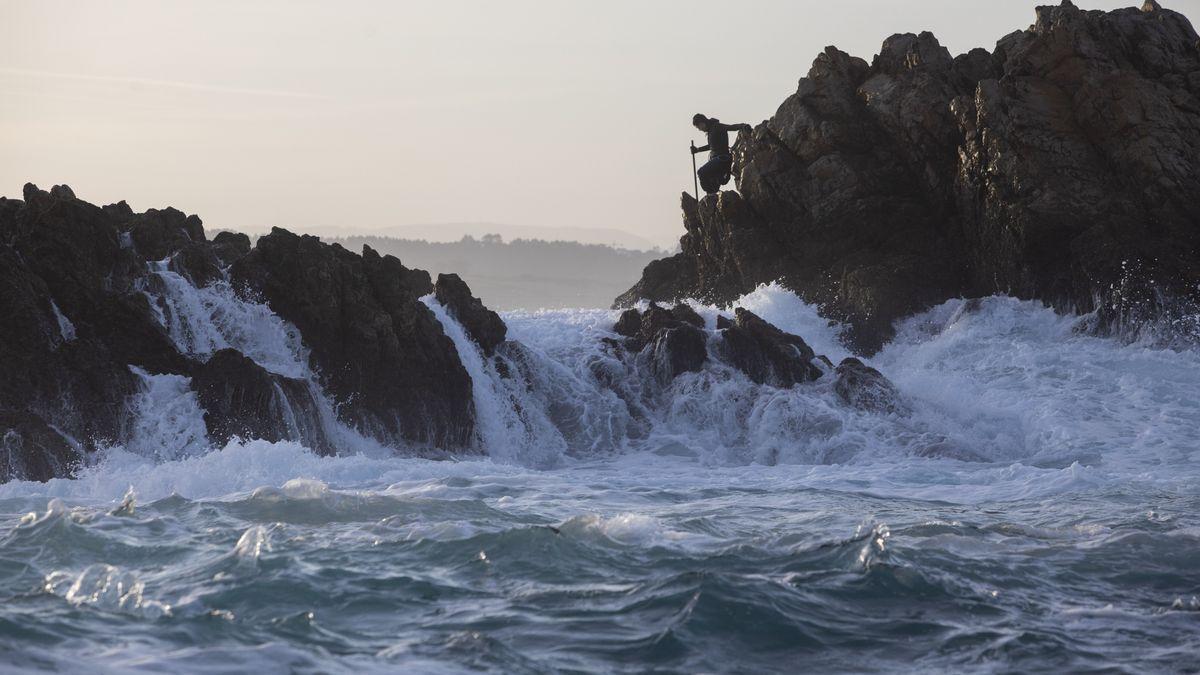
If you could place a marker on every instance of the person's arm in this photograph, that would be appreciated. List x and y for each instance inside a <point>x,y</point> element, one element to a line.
<point>703,148</point>
<point>736,127</point>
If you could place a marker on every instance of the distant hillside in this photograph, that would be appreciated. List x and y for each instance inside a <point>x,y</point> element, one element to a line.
<point>523,273</point>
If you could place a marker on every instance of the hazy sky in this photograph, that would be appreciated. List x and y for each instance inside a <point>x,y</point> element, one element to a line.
<point>372,114</point>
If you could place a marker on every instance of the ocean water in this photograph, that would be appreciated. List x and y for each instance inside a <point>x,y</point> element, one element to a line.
<point>1033,508</point>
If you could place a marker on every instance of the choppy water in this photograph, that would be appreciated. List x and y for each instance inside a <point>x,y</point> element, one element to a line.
<point>1036,511</point>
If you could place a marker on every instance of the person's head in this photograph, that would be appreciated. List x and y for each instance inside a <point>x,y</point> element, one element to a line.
<point>700,122</point>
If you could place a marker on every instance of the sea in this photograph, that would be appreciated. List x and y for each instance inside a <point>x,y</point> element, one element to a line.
<point>1032,506</point>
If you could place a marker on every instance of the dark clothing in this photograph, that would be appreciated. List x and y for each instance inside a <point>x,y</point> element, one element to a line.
<point>715,173</point>
<point>718,138</point>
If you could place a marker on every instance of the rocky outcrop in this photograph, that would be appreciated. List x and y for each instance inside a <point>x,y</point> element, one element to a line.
<point>380,352</point>
<point>1062,166</point>
<point>84,326</point>
<point>482,325</point>
<point>71,325</point>
<point>766,354</point>
<point>242,399</point>
<point>229,246</point>
<point>673,341</point>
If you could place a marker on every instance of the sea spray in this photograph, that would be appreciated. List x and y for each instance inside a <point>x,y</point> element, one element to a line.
<point>203,320</point>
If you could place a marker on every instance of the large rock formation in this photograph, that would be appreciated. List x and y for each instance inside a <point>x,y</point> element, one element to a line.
<point>84,322</point>
<point>71,325</point>
<point>379,351</point>
<point>1063,166</point>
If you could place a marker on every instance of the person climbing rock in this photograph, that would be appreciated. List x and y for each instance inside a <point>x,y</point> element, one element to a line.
<point>715,171</point>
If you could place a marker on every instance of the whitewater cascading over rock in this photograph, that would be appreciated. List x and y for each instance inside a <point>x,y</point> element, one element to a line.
<point>106,311</point>
<point>1063,166</point>
<point>379,350</point>
<point>134,330</point>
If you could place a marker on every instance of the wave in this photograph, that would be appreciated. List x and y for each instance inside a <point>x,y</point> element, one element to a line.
<point>998,390</point>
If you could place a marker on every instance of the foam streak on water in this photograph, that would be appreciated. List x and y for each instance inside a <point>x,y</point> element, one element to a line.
<point>1034,512</point>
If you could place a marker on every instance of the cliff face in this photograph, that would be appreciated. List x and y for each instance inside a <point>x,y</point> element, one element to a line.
<point>1063,166</point>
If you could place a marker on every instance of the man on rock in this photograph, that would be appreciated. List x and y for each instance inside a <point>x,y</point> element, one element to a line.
<point>715,171</point>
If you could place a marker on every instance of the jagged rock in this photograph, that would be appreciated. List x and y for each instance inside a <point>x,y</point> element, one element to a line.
<point>766,354</point>
<point>863,387</point>
<point>629,323</point>
<point>677,350</point>
<point>1047,169</point>
<point>169,234</point>
<point>78,330</point>
<point>686,314</point>
<point>229,246</point>
<point>724,322</point>
<point>241,398</point>
<point>30,449</point>
<point>159,233</point>
<point>379,350</point>
<point>671,340</point>
<point>73,323</point>
<point>482,325</point>
<point>121,212</point>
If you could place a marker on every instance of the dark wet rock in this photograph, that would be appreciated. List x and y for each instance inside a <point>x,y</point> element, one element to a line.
<point>672,341</point>
<point>78,331</point>
<point>120,212</point>
<point>157,234</point>
<point>72,324</point>
<point>482,325</point>
<point>198,263</point>
<point>242,399</point>
<point>724,322</point>
<point>380,351</point>
<point>686,314</point>
<point>30,449</point>
<point>861,386</point>
<point>629,323</point>
<point>169,234</point>
<point>766,354</point>
<point>1059,167</point>
<point>677,350</point>
<point>229,246</point>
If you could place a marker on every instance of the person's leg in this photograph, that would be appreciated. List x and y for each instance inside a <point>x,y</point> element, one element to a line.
<point>726,170</point>
<point>710,176</point>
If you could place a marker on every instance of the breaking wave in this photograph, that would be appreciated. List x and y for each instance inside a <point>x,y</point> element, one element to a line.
<point>1032,504</point>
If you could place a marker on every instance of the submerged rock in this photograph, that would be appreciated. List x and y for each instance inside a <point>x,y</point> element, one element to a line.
<point>482,325</point>
<point>861,386</point>
<point>1061,166</point>
<point>766,354</point>
<point>671,340</point>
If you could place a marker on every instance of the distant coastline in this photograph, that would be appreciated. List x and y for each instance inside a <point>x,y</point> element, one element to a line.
<point>521,273</point>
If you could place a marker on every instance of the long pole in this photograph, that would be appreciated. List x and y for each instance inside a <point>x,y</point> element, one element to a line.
<point>695,180</point>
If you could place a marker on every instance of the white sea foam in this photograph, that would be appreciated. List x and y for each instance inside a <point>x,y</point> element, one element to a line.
<point>1008,401</point>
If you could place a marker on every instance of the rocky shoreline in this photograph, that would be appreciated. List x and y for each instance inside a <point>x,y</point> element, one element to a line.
<point>1062,166</point>
<point>103,304</point>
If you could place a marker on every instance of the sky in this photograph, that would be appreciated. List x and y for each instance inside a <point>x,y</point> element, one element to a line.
<point>359,115</point>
